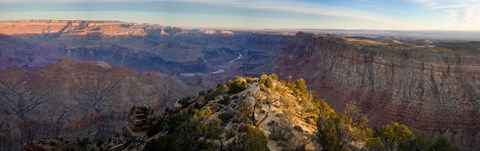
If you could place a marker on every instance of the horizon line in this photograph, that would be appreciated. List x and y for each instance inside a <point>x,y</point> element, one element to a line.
<point>246,28</point>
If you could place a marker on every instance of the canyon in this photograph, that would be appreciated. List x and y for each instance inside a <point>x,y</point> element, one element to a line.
<point>142,47</point>
<point>88,73</point>
<point>426,83</point>
<point>77,100</point>
<point>433,89</point>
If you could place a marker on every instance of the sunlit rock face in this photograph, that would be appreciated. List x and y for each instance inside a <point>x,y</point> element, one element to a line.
<point>426,87</point>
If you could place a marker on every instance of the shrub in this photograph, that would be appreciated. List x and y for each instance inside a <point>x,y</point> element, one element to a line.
<point>442,143</point>
<point>393,134</point>
<point>252,80</point>
<point>252,140</point>
<point>374,144</point>
<point>225,100</point>
<point>268,83</point>
<point>237,85</point>
<point>333,134</point>
<point>263,78</point>
<point>212,94</point>
<point>226,116</point>
<point>298,87</point>
<point>301,87</point>
<point>169,142</point>
<point>185,101</point>
<point>417,142</point>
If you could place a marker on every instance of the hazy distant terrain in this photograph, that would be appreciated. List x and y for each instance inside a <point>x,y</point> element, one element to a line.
<point>427,34</point>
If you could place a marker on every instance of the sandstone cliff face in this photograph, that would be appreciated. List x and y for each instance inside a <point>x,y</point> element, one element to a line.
<point>71,27</point>
<point>431,89</point>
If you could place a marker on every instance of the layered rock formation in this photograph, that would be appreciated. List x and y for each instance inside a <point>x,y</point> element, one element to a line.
<point>429,88</point>
<point>139,120</point>
<point>189,54</point>
<point>133,136</point>
<point>76,27</point>
<point>77,100</point>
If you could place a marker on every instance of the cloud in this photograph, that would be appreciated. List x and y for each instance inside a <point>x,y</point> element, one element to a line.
<point>462,10</point>
<point>311,8</point>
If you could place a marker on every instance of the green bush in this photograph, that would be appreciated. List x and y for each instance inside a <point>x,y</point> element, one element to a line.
<point>237,85</point>
<point>417,142</point>
<point>169,142</point>
<point>268,83</point>
<point>185,101</point>
<point>193,130</point>
<point>301,87</point>
<point>374,144</point>
<point>298,87</point>
<point>442,143</point>
<point>252,140</point>
<point>225,100</point>
<point>333,134</point>
<point>178,143</point>
<point>389,137</point>
<point>226,116</point>
<point>211,95</point>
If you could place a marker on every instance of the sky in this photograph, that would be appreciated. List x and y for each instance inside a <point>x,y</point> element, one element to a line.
<point>457,15</point>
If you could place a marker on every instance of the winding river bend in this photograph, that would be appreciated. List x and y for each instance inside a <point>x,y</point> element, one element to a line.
<point>220,70</point>
<point>239,57</point>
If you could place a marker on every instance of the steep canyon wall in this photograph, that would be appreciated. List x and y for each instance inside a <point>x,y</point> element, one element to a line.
<point>427,88</point>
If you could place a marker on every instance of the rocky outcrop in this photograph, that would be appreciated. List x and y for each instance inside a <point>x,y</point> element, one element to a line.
<point>139,120</point>
<point>214,32</point>
<point>134,134</point>
<point>208,31</point>
<point>428,88</point>
<point>226,32</point>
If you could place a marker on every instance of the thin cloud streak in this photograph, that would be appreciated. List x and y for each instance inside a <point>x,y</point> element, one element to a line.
<point>460,10</point>
<point>304,9</point>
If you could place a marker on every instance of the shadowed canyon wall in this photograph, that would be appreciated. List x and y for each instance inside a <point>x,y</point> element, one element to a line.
<point>77,100</point>
<point>431,89</point>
